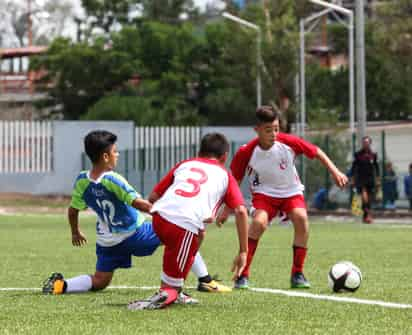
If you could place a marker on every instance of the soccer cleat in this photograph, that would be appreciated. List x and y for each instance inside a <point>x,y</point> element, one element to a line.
<point>213,286</point>
<point>185,299</point>
<point>298,280</point>
<point>54,284</point>
<point>156,301</point>
<point>242,282</point>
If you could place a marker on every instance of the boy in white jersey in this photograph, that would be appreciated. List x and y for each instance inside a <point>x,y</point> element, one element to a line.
<point>187,197</point>
<point>122,231</point>
<point>268,161</point>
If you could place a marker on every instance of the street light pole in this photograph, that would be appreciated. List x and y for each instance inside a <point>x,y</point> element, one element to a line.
<point>29,24</point>
<point>258,52</point>
<point>330,7</point>
<point>302,88</point>
<point>258,73</point>
<point>360,70</point>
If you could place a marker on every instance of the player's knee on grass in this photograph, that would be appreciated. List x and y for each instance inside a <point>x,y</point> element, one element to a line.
<point>100,280</point>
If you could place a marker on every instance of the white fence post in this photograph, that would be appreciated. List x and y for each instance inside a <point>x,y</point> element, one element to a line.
<point>25,146</point>
<point>170,144</point>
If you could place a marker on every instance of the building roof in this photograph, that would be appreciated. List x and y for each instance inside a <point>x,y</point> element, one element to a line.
<point>20,52</point>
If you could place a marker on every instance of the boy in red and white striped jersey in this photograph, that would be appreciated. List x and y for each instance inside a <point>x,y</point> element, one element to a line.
<point>184,201</point>
<point>268,161</point>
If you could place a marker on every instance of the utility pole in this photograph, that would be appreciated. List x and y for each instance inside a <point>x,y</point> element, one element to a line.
<point>329,8</point>
<point>29,23</point>
<point>360,70</point>
<point>30,38</point>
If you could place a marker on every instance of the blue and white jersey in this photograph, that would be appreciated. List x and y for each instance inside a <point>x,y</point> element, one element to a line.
<point>110,197</point>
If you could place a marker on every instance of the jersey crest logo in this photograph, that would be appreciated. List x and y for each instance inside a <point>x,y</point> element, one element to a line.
<point>283,164</point>
<point>256,181</point>
<point>98,192</point>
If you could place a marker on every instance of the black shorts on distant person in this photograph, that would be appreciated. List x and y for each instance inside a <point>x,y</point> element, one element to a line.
<point>370,187</point>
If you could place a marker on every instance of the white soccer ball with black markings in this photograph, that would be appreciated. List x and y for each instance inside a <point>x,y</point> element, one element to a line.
<point>344,277</point>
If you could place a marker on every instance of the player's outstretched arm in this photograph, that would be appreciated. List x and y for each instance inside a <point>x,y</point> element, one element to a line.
<point>78,238</point>
<point>223,215</point>
<point>225,212</point>
<point>142,205</point>
<point>340,178</point>
<point>242,230</point>
<point>153,197</point>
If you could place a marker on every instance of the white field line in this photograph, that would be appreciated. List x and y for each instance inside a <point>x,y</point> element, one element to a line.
<point>288,293</point>
<point>332,298</point>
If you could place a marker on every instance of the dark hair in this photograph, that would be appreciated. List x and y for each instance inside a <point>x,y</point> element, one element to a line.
<point>97,142</point>
<point>213,145</point>
<point>366,137</point>
<point>410,166</point>
<point>266,114</point>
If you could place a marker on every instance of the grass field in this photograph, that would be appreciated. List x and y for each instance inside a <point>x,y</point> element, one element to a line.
<point>33,246</point>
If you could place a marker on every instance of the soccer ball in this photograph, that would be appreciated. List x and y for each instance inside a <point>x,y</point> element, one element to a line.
<point>344,276</point>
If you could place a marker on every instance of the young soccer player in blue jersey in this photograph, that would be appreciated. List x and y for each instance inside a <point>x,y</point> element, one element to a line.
<point>122,230</point>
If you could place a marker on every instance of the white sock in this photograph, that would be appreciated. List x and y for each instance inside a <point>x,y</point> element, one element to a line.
<point>199,266</point>
<point>82,283</point>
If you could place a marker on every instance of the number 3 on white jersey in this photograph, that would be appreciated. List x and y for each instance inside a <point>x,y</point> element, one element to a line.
<point>194,182</point>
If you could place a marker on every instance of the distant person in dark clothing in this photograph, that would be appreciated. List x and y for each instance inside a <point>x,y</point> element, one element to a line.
<point>365,174</point>
<point>408,186</point>
<point>320,199</point>
<point>389,187</point>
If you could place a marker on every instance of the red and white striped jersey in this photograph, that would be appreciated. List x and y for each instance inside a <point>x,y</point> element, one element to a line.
<point>193,191</point>
<point>272,172</point>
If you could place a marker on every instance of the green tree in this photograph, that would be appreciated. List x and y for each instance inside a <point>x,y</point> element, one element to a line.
<point>118,107</point>
<point>171,57</point>
<point>81,74</point>
<point>167,60</point>
<point>170,11</point>
<point>232,64</point>
<point>389,70</point>
<point>226,89</point>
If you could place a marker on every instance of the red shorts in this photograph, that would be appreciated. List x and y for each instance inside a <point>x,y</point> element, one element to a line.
<point>272,205</point>
<point>181,247</point>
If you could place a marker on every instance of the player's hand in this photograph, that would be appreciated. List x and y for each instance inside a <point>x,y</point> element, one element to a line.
<point>78,239</point>
<point>340,179</point>
<point>239,264</point>
<point>223,216</point>
<point>209,220</point>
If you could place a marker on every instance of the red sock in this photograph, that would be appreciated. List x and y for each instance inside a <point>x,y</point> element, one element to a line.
<point>299,255</point>
<point>171,294</point>
<point>252,245</point>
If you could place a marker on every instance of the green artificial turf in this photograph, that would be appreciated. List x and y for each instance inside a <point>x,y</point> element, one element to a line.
<point>33,246</point>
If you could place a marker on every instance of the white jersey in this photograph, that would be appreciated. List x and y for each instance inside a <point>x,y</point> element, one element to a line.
<point>272,172</point>
<point>193,191</point>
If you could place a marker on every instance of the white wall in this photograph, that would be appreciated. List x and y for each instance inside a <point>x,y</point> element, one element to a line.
<point>67,149</point>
